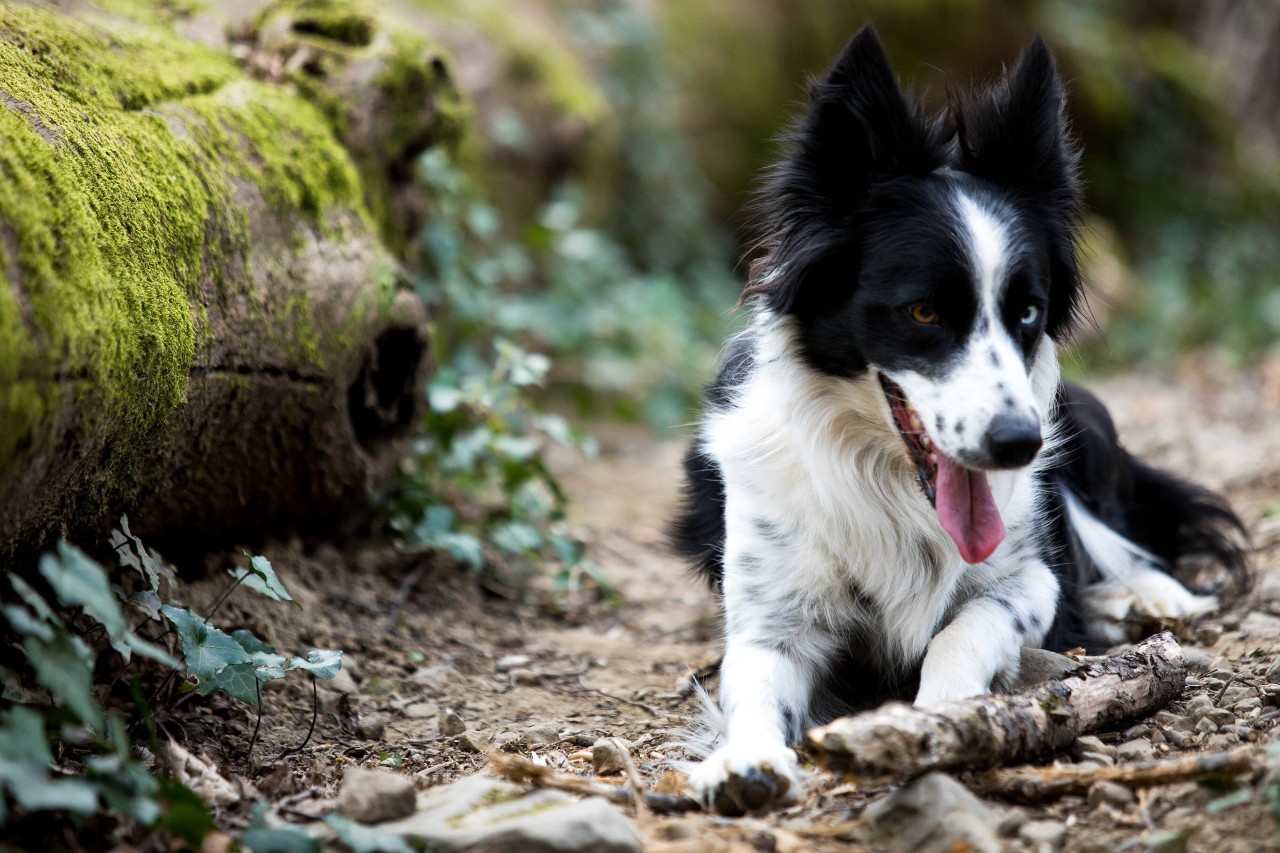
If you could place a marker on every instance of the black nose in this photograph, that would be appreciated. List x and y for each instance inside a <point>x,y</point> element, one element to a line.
<point>1012,441</point>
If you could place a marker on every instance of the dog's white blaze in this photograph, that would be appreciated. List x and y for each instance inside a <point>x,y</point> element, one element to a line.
<point>988,247</point>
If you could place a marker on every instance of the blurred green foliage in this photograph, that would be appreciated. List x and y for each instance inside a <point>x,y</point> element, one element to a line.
<point>1176,105</point>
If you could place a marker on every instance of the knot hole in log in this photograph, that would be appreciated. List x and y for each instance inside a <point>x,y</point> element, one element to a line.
<point>382,402</point>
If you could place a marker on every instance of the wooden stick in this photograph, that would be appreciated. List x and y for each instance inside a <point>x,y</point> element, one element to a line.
<point>1040,784</point>
<point>522,771</point>
<point>898,742</point>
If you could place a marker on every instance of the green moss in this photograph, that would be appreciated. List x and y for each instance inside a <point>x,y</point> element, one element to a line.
<point>120,146</point>
<point>345,21</point>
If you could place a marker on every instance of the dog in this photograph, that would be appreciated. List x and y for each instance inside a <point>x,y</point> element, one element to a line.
<point>890,487</point>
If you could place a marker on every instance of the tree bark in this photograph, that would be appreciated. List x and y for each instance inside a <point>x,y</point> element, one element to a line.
<point>200,324</point>
<point>898,742</point>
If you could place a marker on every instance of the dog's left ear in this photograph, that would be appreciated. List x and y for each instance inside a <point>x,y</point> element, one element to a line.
<point>1016,134</point>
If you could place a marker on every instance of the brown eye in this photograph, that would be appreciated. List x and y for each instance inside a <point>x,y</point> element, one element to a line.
<point>924,314</point>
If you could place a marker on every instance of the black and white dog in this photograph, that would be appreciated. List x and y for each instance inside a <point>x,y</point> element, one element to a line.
<point>890,486</point>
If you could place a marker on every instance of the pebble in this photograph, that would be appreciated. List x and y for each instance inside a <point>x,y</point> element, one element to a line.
<point>1244,706</point>
<point>420,710</point>
<point>526,677</point>
<point>371,726</point>
<point>933,814</point>
<point>476,813</point>
<point>473,742</point>
<point>1043,835</point>
<point>374,796</point>
<point>1206,726</point>
<point>1220,717</point>
<point>450,724</point>
<point>1206,635</point>
<point>507,741</point>
<point>1273,674</point>
<point>506,663</point>
<point>1175,737</point>
<point>540,736</point>
<point>1258,624</point>
<point>584,739</point>
<point>1111,793</point>
<point>1198,660</point>
<point>609,755</point>
<point>1135,750</point>
<point>1098,758</point>
<point>1199,705</point>
<point>1237,693</point>
<point>1220,742</point>
<point>1091,743</point>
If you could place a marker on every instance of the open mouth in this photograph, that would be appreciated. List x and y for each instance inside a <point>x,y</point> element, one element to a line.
<point>961,496</point>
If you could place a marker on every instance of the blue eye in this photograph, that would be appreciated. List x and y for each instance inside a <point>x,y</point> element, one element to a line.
<point>1030,315</point>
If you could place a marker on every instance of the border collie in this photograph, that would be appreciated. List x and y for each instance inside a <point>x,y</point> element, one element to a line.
<point>891,488</point>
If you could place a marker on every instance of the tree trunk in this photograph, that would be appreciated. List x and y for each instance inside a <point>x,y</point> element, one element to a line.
<point>199,323</point>
<point>898,742</point>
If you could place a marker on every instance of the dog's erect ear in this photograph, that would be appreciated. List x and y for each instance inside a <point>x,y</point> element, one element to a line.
<point>1016,134</point>
<point>859,129</point>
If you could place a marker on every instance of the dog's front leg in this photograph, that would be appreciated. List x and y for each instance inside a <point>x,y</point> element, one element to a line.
<point>986,637</point>
<point>764,697</point>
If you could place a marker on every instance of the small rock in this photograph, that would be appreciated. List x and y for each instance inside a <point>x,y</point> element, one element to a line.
<point>1220,742</point>
<point>1175,737</point>
<point>1273,673</point>
<point>1135,750</point>
<point>1206,726</point>
<point>609,755</point>
<point>584,739</point>
<point>1198,660</point>
<point>1220,716</point>
<point>1257,624</point>
<point>1043,835</point>
<point>473,742</point>
<point>371,726</point>
<point>1098,758</point>
<point>507,741</point>
<point>1110,793</point>
<point>420,710</point>
<point>475,813</point>
<point>506,663</point>
<point>1237,693</point>
<point>1268,589</point>
<point>540,736</point>
<point>1041,665</point>
<point>1244,706</point>
<point>1206,635</point>
<point>374,796</point>
<point>450,724</point>
<point>435,675</point>
<point>1090,743</point>
<point>526,677</point>
<point>935,814</point>
<point>342,683</point>
<point>1199,705</point>
<point>1214,684</point>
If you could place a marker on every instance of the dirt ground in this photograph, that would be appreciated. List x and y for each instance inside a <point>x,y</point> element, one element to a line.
<point>421,638</point>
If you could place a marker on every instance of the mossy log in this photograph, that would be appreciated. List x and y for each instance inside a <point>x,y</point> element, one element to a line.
<point>898,742</point>
<point>200,322</point>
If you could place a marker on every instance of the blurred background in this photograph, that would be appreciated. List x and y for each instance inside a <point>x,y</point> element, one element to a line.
<point>616,142</point>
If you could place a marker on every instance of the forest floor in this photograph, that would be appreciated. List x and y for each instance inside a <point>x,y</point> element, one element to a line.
<point>421,638</point>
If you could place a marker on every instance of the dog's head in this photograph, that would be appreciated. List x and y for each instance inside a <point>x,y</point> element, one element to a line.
<point>937,254</point>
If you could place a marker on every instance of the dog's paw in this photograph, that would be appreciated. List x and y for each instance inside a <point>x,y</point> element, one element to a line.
<point>1150,593</point>
<point>737,780</point>
<point>947,689</point>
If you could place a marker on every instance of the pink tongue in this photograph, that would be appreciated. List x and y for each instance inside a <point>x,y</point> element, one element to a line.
<point>967,511</point>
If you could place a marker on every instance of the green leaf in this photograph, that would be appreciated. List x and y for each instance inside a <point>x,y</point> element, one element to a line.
<point>207,650</point>
<point>517,538</point>
<point>322,663</point>
<point>63,666</point>
<point>259,839</point>
<point>364,839</point>
<point>239,680</point>
<point>132,553</point>
<point>34,600</point>
<point>250,642</point>
<point>262,579</point>
<point>23,621</point>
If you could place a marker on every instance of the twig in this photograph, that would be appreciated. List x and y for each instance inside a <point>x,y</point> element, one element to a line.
<point>582,688</point>
<point>1039,784</point>
<point>315,713</point>
<point>898,742</point>
<point>208,620</point>
<point>522,771</point>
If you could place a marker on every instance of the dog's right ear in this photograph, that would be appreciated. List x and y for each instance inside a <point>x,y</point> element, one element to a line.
<point>859,129</point>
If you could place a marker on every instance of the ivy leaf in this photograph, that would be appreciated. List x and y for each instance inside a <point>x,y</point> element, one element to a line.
<point>267,665</point>
<point>24,768</point>
<point>78,580</point>
<point>23,621</point>
<point>260,839</point>
<point>34,600</point>
<point>239,680</point>
<point>262,579</point>
<point>132,553</point>
<point>322,663</point>
<point>207,650</point>
<point>62,666</point>
<point>365,839</point>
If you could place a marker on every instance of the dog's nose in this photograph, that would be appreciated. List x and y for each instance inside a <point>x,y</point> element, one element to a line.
<point>1012,441</point>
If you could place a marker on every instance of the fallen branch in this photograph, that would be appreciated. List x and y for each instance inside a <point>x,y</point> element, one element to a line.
<point>1040,784</point>
<point>522,771</point>
<point>898,742</point>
